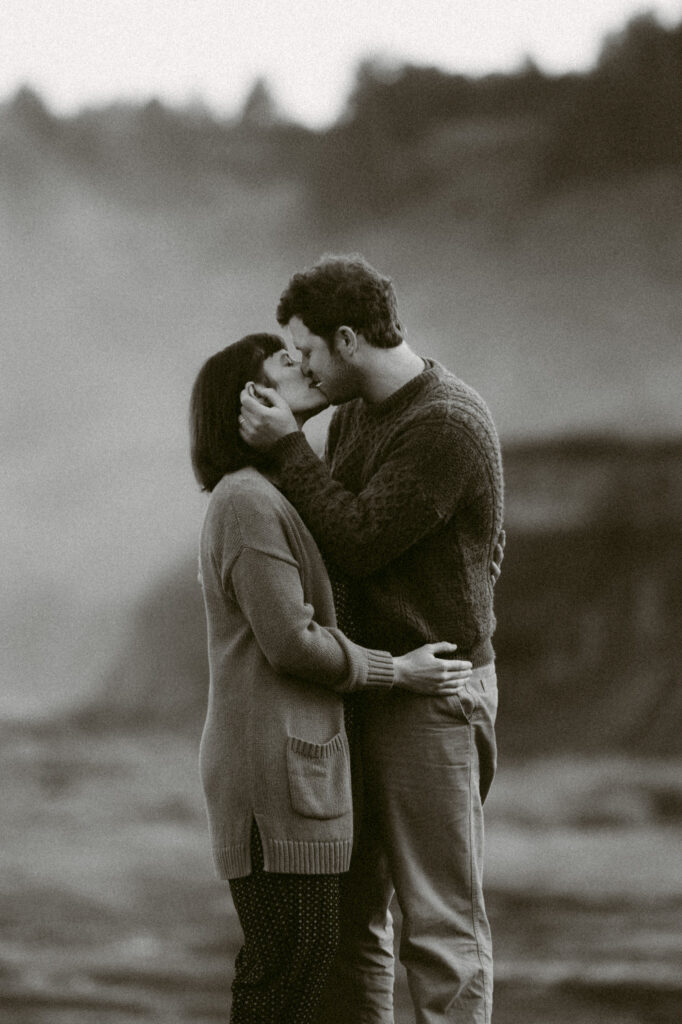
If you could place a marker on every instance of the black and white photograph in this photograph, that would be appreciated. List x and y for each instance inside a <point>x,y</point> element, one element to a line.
<point>341,514</point>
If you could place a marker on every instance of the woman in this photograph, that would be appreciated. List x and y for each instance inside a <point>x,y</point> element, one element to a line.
<point>274,752</point>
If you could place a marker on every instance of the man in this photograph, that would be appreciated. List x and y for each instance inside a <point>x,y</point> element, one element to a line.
<point>407,510</point>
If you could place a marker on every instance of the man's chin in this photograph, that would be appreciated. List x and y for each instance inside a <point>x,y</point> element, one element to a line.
<point>321,396</point>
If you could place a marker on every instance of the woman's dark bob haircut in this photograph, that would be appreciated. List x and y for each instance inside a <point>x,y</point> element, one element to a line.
<point>215,444</point>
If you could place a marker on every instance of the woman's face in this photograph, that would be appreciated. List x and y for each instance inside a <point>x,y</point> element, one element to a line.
<point>283,372</point>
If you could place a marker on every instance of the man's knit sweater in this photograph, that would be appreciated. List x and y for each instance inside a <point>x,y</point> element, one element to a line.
<point>408,506</point>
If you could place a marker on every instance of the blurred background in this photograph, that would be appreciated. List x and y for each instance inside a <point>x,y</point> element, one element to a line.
<point>163,171</point>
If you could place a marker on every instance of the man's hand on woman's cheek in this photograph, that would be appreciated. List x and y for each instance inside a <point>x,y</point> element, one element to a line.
<point>265,417</point>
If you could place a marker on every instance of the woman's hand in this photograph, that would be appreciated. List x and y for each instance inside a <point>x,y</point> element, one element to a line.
<point>431,670</point>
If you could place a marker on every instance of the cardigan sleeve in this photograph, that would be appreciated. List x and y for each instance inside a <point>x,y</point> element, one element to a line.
<point>419,484</point>
<point>269,592</point>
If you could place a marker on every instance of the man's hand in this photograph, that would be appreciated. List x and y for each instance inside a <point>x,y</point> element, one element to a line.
<point>265,417</point>
<point>498,555</point>
<point>431,670</point>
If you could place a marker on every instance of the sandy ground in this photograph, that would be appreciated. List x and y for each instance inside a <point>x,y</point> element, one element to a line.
<point>111,914</point>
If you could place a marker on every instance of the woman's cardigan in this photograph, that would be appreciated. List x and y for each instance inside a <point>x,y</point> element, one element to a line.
<point>274,747</point>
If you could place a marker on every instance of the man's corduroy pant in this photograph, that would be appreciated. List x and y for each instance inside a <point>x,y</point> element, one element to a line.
<point>427,765</point>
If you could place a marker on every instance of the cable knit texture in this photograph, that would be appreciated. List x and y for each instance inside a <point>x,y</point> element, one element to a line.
<point>274,747</point>
<point>407,509</point>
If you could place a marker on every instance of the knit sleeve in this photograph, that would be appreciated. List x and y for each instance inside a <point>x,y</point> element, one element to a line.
<point>270,595</point>
<point>332,436</point>
<point>419,484</point>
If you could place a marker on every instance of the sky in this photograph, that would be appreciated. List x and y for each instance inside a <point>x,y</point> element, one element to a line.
<point>78,53</point>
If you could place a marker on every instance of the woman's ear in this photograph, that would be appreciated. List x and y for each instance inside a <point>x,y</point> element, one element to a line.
<point>253,389</point>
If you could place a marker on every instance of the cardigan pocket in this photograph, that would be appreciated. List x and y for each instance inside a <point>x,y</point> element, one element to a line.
<point>319,777</point>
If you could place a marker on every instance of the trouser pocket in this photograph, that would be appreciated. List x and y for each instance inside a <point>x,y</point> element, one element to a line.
<point>464,703</point>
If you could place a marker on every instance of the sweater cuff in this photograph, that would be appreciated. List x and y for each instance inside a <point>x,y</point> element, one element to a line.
<point>379,669</point>
<point>294,444</point>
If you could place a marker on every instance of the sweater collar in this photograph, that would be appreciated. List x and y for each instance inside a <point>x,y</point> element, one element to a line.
<point>404,395</point>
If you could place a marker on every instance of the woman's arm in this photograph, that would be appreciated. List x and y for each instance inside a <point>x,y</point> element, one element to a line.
<point>270,595</point>
<point>269,592</point>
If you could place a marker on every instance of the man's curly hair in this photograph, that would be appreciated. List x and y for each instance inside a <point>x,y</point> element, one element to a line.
<point>343,291</point>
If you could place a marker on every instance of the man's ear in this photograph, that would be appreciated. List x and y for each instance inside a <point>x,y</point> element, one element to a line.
<point>345,342</point>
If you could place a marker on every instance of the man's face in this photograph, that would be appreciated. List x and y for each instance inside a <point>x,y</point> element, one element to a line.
<point>326,370</point>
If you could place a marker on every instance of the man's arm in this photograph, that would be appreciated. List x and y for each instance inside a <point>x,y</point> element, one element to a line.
<point>417,487</point>
<point>498,556</point>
